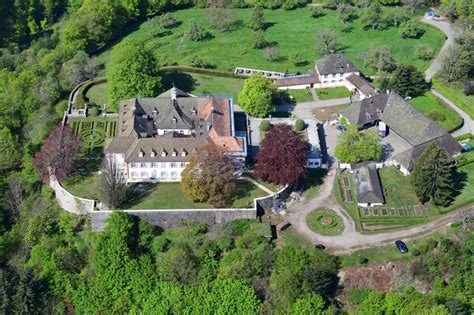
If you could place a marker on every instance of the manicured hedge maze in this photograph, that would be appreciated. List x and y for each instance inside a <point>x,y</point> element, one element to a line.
<point>93,134</point>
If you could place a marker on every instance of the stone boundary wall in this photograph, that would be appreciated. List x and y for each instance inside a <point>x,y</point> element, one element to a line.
<point>68,201</point>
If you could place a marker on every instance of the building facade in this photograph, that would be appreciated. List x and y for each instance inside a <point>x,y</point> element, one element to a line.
<point>156,136</point>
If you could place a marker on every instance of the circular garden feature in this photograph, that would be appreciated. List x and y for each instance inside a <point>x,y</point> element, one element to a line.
<point>325,222</point>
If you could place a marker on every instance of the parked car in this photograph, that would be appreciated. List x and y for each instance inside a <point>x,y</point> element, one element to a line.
<point>402,247</point>
<point>319,246</point>
<point>341,128</point>
<point>432,14</point>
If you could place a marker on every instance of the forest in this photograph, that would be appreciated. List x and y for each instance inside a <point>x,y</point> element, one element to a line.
<point>51,262</point>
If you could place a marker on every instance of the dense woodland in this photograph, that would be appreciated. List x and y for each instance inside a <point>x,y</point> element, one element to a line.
<point>50,262</point>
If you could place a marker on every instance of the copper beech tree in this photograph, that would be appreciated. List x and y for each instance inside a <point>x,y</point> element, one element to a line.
<point>282,155</point>
<point>58,153</point>
<point>210,177</point>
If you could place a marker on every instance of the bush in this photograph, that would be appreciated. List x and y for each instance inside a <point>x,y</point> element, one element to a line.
<point>415,252</point>
<point>437,116</point>
<point>197,33</point>
<point>94,111</point>
<point>363,260</point>
<point>258,40</point>
<point>466,136</point>
<point>316,12</point>
<point>424,52</point>
<point>168,21</point>
<point>358,295</point>
<point>411,29</point>
<point>299,125</point>
<point>427,246</point>
<point>199,62</point>
<point>265,125</point>
<point>468,88</point>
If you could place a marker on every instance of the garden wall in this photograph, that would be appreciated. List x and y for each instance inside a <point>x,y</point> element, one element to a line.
<point>68,201</point>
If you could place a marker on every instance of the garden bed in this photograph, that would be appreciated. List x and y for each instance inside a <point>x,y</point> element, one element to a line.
<point>93,132</point>
<point>325,222</point>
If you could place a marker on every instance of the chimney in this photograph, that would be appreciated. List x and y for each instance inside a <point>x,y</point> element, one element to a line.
<point>388,92</point>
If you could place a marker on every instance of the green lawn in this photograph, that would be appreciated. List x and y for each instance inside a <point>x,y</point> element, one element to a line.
<point>292,31</point>
<point>454,93</point>
<point>170,196</point>
<point>338,92</point>
<point>464,178</point>
<point>98,94</point>
<point>85,186</point>
<point>399,190</point>
<point>207,84</point>
<point>325,222</point>
<point>313,181</point>
<point>303,95</point>
<point>432,106</point>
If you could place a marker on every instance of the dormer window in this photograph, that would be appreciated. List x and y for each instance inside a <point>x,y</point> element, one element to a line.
<point>174,153</point>
<point>163,153</point>
<point>194,111</point>
<point>155,111</point>
<point>141,153</point>
<point>184,153</point>
<point>153,153</point>
<point>174,120</point>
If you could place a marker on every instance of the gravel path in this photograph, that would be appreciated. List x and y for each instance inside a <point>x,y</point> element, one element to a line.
<point>350,239</point>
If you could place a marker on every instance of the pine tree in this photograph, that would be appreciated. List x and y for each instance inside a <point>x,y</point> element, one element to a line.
<point>28,295</point>
<point>433,177</point>
<point>408,81</point>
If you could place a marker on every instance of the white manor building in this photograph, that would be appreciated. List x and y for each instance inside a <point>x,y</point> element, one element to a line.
<point>156,136</point>
<point>332,71</point>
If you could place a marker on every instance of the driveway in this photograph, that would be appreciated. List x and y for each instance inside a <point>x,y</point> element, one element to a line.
<point>303,110</point>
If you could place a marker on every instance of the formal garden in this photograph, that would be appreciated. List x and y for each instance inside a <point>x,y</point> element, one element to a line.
<point>93,131</point>
<point>325,222</point>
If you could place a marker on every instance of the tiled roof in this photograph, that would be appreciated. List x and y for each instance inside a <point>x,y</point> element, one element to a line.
<point>297,80</point>
<point>335,63</point>
<point>361,84</point>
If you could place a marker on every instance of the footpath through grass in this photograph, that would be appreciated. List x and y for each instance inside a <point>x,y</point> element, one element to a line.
<point>437,110</point>
<point>292,31</point>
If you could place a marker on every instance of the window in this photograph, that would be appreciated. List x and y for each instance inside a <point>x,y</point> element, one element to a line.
<point>144,174</point>
<point>133,165</point>
<point>181,131</point>
<point>163,165</point>
<point>134,174</point>
<point>174,174</point>
<point>333,75</point>
<point>311,163</point>
<point>154,165</point>
<point>332,81</point>
<point>143,165</point>
<point>340,80</point>
<point>182,164</point>
<point>172,165</point>
<point>164,174</point>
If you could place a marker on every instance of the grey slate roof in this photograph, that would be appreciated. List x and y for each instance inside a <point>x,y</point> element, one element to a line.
<point>335,63</point>
<point>406,121</point>
<point>369,189</point>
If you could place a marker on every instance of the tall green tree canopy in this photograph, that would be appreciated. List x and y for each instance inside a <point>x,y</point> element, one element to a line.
<point>408,81</point>
<point>354,146</point>
<point>133,71</point>
<point>10,152</point>
<point>256,96</point>
<point>433,176</point>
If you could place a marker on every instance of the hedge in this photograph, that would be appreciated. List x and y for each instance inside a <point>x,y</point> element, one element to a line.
<point>213,72</point>
<point>81,99</point>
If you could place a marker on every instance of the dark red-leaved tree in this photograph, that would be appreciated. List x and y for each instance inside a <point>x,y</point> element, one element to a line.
<point>59,153</point>
<point>282,155</point>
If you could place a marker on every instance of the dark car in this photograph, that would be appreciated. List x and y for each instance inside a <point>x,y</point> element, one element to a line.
<point>402,247</point>
<point>319,246</point>
<point>341,128</point>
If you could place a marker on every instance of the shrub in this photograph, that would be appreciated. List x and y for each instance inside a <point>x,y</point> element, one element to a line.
<point>466,136</point>
<point>437,116</point>
<point>258,40</point>
<point>468,88</point>
<point>358,295</point>
<point>94,111</point>
<point>316,12</point>
<point>265,125</point>
<point>411,29</point>
<point>299,125</point>
<point>197,33</point>
<point>168,21</point>
<point>363,260</point>
<point>329,4</point>
<point>271,53</point>
<point>415,252</point>
<point>424,52</point>
<point>427,246</point>
<point>199,62</point>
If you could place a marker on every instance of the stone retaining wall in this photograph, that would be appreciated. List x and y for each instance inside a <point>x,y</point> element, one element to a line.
<point>68,201</point>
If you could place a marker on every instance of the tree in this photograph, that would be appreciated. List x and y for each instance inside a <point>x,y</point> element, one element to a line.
<point>424,52</point>
<point>372,18</point>
<point>398,16</point>
<point>346,13</point>
<point>354,146</point>
<point>433,176</point>
<point>220,17</point>
<point>256,96</point>
<point>309,304</point>
<point>408,81</point>
<point>455,64</point>
<point>168,21</point>
<point>133,71</point>
<point>265,125</point>
<point>80,68</point>
<point>379,58</point>
<point>209,177</point>
<point>413,5</point>
<point>113,185</point>
<point>411,29</point>
<point>58,154</point>
<point>299,125</point>
<point>10,153</point>
<point>316,12</point>
<point>258,40</point>
<point>271,53</point>
<point>327,41</point>
<point>257,20</point>
<point>29,295</point>
<point>197,33</point>
<point>282,156</point>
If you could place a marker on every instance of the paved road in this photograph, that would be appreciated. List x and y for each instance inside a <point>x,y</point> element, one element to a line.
<point>450,33</point>
<point>468,125</point>
<point>350,239</point>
